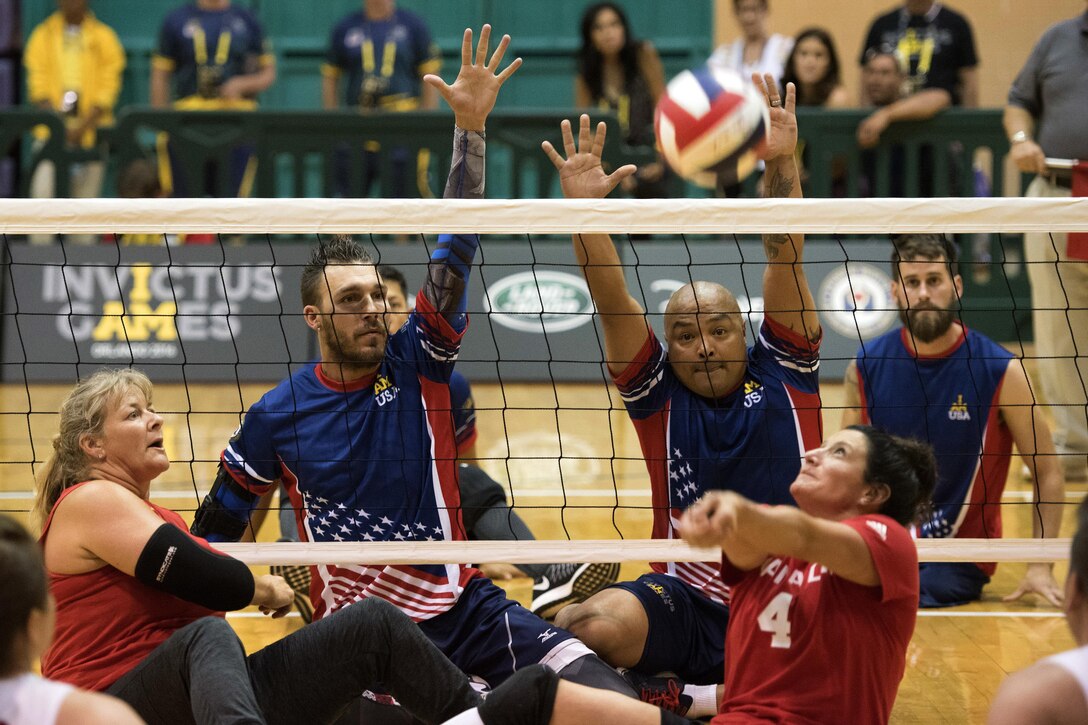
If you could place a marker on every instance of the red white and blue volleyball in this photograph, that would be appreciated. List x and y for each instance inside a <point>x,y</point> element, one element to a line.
<point>711,126</point>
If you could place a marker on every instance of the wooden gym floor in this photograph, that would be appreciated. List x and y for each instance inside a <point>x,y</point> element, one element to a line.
<point>561,445</point>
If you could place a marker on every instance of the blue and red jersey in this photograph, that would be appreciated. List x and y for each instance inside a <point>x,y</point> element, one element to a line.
<point>951,401</point>
<point>371,460</point>
<point>750,441</point>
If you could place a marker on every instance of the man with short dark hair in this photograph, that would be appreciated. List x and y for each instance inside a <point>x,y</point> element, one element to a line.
<point>886,85</point>
<point>935,48</point>
<point>970,398</point>
<point>365,438</point>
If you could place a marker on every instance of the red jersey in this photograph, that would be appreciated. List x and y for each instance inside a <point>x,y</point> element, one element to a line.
<point>108,621</point>
<point>806,646</point>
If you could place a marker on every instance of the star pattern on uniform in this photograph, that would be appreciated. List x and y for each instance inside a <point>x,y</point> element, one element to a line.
<point>330,520</point>
<point>683,488</point>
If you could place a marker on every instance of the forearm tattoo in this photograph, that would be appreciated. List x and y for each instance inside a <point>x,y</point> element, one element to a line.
<point>466,179</point>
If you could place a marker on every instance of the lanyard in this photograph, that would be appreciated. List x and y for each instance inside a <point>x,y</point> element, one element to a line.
<point>389,57</point>
<point>200,46</point>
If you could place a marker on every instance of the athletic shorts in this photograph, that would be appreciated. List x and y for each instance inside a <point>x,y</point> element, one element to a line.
<point>490,637</point>
<point>687,631</point>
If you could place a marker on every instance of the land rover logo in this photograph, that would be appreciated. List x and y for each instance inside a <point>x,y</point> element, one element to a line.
<point>540,301</point>
<point>856,300</point>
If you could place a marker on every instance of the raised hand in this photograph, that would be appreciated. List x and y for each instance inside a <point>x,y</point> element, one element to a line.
<point>581,175</point>
<point>474,91</point>
<point>782,135</point>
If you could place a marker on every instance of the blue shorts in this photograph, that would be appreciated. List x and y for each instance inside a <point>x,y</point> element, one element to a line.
<point>946,584</point>
<point>490,637</point>
<point>687,630</point>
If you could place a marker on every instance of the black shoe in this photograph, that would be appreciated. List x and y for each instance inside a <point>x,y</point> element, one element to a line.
<point>564,584</point>
<point>664,692</point>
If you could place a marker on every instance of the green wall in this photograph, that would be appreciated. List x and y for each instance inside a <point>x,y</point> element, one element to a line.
<point>545,34</point>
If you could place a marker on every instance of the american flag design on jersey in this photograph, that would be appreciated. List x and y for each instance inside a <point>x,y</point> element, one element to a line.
<point>951,401</point>
<point>750,441</point>
<point>371,460</point>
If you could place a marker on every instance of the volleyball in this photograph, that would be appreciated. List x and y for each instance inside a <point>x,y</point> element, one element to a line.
<point>711,124</point>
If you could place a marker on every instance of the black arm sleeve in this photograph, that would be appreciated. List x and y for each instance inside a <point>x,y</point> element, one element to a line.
<point>174,563</point>
<point>224,513</point>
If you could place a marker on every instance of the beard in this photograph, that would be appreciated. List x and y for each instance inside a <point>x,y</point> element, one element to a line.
<point>927,323</point>
<point>350,351</point>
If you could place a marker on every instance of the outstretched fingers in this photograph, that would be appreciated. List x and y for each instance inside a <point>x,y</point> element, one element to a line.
<point>757,81</point>
<point>481,47</point>
<point>583,134</point>
<point>509,71</point>
<point>466,47</point>
<point>791,98</point>
<point>598,139</point>
<point>620,174</point>
<point>553,155</point>
<point>568,138</point>
<point>496,57</point>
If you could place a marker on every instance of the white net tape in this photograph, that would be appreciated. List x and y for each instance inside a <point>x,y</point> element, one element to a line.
<point>634,550</point>
<point>543,216</point>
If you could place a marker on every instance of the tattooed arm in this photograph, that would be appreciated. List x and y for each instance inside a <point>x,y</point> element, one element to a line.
<point>786,294</point>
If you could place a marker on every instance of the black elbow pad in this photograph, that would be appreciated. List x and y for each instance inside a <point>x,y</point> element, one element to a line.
<point>224,513</point>
<point>173,562</point>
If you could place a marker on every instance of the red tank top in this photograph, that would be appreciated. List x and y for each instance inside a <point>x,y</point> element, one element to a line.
<point>108,621</point>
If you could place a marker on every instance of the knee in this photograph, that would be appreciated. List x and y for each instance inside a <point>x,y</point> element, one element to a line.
<point>212,632</point>
<point>591,623</point>
<point>374,612</point>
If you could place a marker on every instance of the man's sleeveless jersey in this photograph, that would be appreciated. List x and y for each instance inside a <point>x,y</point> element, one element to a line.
<point>219,44</point>
<point>790,619</point>
<point>373,460</point>
<point>950,401</point>
<point>750,441</point>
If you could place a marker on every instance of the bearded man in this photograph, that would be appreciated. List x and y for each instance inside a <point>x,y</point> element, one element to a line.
<point>970,398</point>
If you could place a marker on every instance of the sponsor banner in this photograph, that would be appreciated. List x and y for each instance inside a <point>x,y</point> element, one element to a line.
<point>196,313</point>
<point>231,313</point>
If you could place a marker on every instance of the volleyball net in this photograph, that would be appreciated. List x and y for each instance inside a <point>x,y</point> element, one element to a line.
<point>202,295</point>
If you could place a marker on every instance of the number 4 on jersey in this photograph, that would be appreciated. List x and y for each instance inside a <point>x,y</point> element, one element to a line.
<point>775,618</point>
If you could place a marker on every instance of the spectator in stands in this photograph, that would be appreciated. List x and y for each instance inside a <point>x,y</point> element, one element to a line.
<point>813,67</point>
<point>937,380</point>
<point>1055,689</point>
<point>1045,117</point>
<point>383,52</point>
<point>757,50</point>
<point>73,67</point>
<point>934,46</point>
<point>618,73</point>
<point>887,87</point>
<point>216,57</point>
<point>27,611</point>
